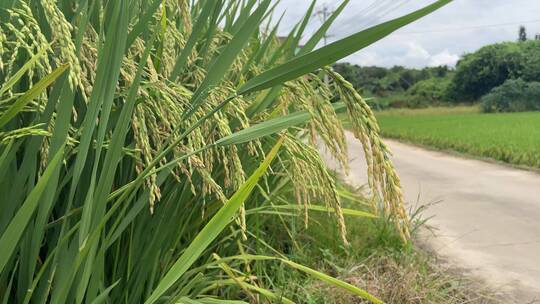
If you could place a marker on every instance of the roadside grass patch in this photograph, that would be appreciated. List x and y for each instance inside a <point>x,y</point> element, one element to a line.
<point>508,137</point>
<point>376,261</point>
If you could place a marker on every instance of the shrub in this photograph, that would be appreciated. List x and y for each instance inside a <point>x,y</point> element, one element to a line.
<point>515,95</point>
<point>479,72</point>
<point>400,100</point>
<point>531,67</point>
<point>425,93</point>
<point>382,81</point>
<point>433,90</point>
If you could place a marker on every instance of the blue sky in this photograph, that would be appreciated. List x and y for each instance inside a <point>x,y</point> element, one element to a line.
<point>441,38</point>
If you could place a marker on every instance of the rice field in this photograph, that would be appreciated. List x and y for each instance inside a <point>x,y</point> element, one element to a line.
<point>512,138</point>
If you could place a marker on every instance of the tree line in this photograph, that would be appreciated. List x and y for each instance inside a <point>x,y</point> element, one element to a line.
<point>501,77</point>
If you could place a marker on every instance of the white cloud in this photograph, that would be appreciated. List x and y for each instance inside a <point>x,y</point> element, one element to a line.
<point>416,52</point>
<point>444,58</point>
<point>409,54</point>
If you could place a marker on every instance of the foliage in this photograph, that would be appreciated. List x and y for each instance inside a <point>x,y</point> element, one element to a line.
<point>506,137</point>
<point>515,95</point>
<point>432,90</point>
<point>399,100</point>
<point>398,86</point>
<point>479,72</point>
<point>476,74</point>
<point>383,82</point>
<point>531,55</point>
<point>377,261</point>
<point>132,134</point>
<point>366,79</point>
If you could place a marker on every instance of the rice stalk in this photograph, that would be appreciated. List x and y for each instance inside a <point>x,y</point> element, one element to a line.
<point>382,177</point>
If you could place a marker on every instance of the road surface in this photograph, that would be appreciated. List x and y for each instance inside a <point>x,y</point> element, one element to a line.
<point>488,218</point>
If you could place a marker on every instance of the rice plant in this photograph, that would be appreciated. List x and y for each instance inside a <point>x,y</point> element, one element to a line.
<point>140,142</point>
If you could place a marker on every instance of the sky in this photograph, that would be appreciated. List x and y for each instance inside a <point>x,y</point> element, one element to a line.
<point>461,27</point>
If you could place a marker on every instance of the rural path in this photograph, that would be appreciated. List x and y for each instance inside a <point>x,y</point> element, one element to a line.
<point>487,220</point>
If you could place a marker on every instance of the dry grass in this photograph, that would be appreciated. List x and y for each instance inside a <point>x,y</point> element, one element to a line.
<point>404,278</point>
<point>377,262</point>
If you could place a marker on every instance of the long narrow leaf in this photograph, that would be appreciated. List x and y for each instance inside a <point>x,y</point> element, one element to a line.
<point>314,273</point>
<point>319,34</point>
<point>28,65</point>
<point>37,89</point>
<point>198,31</point>
<point>268,127</point>
<point>11,236</point>
<point>333,281</point>
<point>227,57</point>
<point>346,211</point>
<point>212,229</point>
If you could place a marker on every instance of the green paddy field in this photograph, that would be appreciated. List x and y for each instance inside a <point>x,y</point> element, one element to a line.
<point>508,137</point>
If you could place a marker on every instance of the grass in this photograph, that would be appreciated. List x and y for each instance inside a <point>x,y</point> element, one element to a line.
<point>146,145</point>
<point>507,137</point>
<point>377,262</point>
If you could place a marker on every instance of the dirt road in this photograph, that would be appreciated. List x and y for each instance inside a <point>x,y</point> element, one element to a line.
<point>488,218</point>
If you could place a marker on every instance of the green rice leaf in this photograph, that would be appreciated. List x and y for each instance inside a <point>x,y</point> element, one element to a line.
<point>269,127</point>
<point>103,297</point>
<point>4,156</point>
<point>28,65</point>
<point>109,63</point>
<point>265,292</point>
<point>227,57</point>
<point>37,89</point>
<point>198,31</point>
<point>218,301</point>
<point>319,34</point>
<point>314,273</point>
<point>142,24</point>
<point>214,227</point>
<point>265,128</point>
<point>186,300</point>
<point>320,208</point>
<point>11,236</point>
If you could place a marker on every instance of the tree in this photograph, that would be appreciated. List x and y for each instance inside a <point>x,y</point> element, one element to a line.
<point>522,34</point>
<point>531,66</point>
<point>479,72</point>
<point>515,95</point>
<point>432,90</point>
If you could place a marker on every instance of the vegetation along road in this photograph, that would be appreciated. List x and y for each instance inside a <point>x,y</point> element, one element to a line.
<point>486,216</point>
